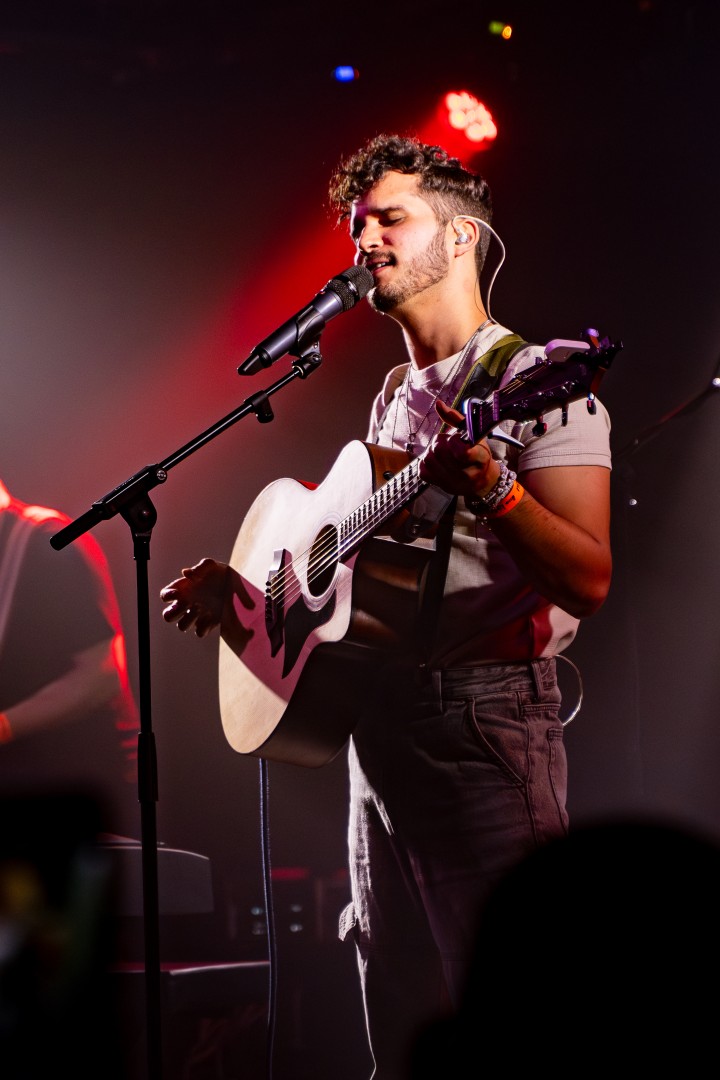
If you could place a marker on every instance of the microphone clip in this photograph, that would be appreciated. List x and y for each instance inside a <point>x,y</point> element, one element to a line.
<point>307,360</point>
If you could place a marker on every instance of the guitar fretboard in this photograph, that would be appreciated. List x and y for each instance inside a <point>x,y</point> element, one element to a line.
<point>382,504</point>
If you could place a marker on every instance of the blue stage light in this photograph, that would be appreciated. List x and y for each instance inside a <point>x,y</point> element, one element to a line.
<point>345,73</point>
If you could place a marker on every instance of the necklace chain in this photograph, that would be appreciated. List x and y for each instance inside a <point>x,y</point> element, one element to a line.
<point>448,381</point>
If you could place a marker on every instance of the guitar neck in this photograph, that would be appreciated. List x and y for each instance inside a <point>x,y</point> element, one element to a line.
<point>525,397</point>
<point>386,501</point>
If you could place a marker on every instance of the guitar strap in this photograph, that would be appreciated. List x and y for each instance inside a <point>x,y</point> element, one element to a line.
<point>481,381</point>
<point>487,371</point>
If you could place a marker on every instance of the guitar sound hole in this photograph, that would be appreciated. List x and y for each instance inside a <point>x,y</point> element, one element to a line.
<point>323,560</point>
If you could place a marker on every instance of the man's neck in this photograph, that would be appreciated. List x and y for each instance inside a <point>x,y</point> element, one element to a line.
<point>428,341</point>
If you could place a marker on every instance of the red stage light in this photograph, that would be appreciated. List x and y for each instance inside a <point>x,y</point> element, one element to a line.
<point>466,113</point>
<point>461,123</point>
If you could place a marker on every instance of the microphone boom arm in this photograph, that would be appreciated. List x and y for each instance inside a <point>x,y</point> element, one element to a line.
<point>133,490</point>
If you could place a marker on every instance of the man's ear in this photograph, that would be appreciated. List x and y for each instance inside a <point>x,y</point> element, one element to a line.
<point>466,233</point>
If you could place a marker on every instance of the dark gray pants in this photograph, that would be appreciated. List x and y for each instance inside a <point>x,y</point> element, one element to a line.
<point>454,777</point>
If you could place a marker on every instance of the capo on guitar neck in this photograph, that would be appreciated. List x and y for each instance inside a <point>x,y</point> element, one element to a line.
<point>472,409</point>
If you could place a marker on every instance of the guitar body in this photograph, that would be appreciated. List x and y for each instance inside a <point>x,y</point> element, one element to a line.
<point>320,587</point>
<point>294,676</point>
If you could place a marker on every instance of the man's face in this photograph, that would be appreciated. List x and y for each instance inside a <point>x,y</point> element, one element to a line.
<point>399,239</point>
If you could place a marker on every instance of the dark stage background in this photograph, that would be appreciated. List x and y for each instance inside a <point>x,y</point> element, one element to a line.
<point>162,208</point>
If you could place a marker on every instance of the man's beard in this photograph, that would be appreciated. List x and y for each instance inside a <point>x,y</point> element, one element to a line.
<point>424,271</point>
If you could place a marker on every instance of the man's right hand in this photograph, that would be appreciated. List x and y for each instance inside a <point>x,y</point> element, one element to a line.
<point>197,599</point>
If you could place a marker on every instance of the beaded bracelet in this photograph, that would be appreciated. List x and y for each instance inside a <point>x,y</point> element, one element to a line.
<point>487,503</point>
<point>5,729</point>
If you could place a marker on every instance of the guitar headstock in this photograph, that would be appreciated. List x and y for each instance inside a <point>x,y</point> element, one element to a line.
<point>549,383</point>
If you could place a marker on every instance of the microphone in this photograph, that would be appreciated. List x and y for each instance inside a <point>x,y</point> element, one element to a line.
<point>340,294</point>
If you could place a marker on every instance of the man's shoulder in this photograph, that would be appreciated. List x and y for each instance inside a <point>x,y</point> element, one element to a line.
<point>393,380</point>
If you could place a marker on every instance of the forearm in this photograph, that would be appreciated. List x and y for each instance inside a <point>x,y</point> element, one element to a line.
<point>558,533</point>
<point>90,682</point>
<point>560,559</point>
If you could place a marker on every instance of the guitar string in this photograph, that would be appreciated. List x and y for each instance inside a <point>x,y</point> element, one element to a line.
<point>330,551</point>
<point>279,581</point>
<point>378,508</point>
<point>381,505</point>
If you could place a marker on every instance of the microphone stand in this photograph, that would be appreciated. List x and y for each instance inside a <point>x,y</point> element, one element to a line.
<point>627,475</point>
<point>132,501</point>
<point>654,429</point>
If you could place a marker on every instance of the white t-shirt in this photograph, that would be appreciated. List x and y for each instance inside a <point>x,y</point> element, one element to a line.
<point>489,611</point>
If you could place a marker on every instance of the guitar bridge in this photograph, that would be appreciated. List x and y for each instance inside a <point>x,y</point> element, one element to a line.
<point>275,602</point>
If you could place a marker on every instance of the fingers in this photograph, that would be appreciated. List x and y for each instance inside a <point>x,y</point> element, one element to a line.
<point>172,596</point>
<point>194,601</point>
<point>193,579</point>
<point>187,618</point>
<point>448,415</point>
<point>453,464</point>
<point>190,617</point>
<point>178,611</point>
<point>171,589</point>
<point>200,569</point>
<point>181,607</point>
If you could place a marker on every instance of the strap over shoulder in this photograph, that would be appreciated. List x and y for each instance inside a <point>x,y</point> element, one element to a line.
<point>488,369</point>
<point>483,377</point>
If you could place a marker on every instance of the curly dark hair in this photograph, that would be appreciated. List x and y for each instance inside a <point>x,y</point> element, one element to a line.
<point>444,181</point>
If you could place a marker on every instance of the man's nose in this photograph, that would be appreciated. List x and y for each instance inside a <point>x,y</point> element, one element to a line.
<point>369,239</point>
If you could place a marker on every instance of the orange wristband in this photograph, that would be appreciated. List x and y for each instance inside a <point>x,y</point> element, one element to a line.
<point>509,503</point>
<point>5,729</point>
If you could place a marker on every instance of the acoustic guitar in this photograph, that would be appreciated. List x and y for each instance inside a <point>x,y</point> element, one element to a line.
<point>324,582</point>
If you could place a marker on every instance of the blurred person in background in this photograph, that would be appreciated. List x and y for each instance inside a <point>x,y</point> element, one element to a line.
<point>68,717</point>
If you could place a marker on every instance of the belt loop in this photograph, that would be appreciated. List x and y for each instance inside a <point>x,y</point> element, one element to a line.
<point>437,681</point>
<point>422,674</point>
<point>535,666</point>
